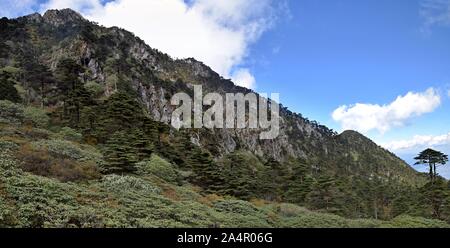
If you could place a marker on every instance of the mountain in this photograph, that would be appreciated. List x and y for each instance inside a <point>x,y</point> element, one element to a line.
<point>155,77</point>
<point>118,105</point>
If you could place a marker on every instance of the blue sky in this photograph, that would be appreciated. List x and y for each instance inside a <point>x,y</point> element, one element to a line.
<point>334,53</point>
<point>392,58</point>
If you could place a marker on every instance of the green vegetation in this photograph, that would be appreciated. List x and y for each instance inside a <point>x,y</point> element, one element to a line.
<point>7,89</point>
<point>432,158</point>
<point>80,147</point>
<point>28,200</point>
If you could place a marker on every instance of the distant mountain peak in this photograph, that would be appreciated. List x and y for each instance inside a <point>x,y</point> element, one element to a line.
<point>55,17</point>
<point>114,56</point>
<point>63,16</point>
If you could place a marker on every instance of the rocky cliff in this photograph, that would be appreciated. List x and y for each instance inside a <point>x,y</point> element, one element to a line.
<point>113,57</point>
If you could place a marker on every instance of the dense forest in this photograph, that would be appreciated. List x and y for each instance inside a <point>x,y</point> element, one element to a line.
<point>80,147</point>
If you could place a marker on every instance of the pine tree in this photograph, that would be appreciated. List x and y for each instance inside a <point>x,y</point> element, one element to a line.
<point>77,100</point>
<point>142,143</point>
<point>122,112</point>
<point>7,89</point>
<point>39,77</point>
<point>321,195</point>
<point>71,90</point>
<point>435,196</point>
<point>432,158</point>
<point>240,179</point>
<point>119,113</point>
<point>67,75</point>
<point>206,171</point>
<point>299,183</point>
<point>120,154</point>
<point>275,180</point>
<point>179,150</point>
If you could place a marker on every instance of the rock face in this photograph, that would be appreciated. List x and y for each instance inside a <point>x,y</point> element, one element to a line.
<point>114,56</point>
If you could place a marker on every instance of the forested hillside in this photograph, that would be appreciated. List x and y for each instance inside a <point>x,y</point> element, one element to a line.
<point>86,142</point>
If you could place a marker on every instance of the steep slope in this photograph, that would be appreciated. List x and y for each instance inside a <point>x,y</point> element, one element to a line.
<point>89,103</point>
<point>146,199</point>
<point>116,58</point>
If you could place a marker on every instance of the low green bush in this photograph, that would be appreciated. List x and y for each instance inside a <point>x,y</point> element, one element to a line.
<point>160,168</point>
<point>121,183</point>
<point>405,221</point>
<point>36,117</point>
<point>67,149</point>
<point>67,133</point>
<point>11,113</point>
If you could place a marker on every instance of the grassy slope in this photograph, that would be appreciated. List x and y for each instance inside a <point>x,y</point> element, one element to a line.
<point>150,198</point>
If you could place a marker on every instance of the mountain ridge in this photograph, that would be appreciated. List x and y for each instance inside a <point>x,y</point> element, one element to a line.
<point>92,107</point>
<point>181,71</point>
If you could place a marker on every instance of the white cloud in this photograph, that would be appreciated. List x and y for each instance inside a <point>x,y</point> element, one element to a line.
<point>435,13</point>
<point>367,117</point>
<point>217,32</point>
<point>244,78</point>
<point>419,141</point>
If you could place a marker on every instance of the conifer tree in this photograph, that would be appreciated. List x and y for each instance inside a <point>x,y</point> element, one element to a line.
<point>206,171</point>
<point>275,179</point>
<point>299,183</point>
<point>142,143</point>
<point>432,158</point>
<point>7,89</point>
<point>120,154</point>
<point>240,179</point>
<point>435,196</point>
<point>39,77</point>
<point>321,195</point>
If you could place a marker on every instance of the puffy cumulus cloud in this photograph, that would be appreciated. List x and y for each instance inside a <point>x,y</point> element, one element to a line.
<point>217,32</point>
<point>367,117</point>
<point>419,142</point>
<point>244,78</point>
<point>13,9</point>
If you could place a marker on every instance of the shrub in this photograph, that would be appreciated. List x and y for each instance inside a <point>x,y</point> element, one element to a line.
<point>6,214</point>
<point>158,167</point>
<point>7,162</point>
<point>41,163</point>
<point>121,183</point>
<point>95,89</point>
<point>68,171</point>
<point>235,206</point>
<point>244,213</point>
<point>36,117</point>
<point>36,133</point>
<point>69,134</point>
<point>8,146</point>
<point>406,221</point>
<point>11,113</point>
<point>67,149</point>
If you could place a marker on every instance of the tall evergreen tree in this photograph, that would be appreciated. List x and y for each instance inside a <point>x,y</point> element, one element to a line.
<point>432,158</point>
<point>299,183</point>
<point>7,89</point>
<point>120,154</point>
<point>206,171</point>
<point>321,195</point>
<point>240,178</point>
<point>276,177</point>
<point>39,77</point>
